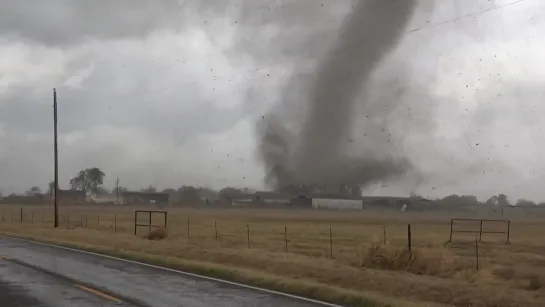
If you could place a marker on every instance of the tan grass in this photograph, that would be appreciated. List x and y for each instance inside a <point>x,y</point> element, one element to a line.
<point>360,270</point>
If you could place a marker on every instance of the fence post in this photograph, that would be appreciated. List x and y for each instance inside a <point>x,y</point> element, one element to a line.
<point>188,237</point>
<point>12,215</point>
<point>115,222</point>
<point>450,237</point>
<point>477,253</point>
<point>68,220</point>
<point>43,216</point>
<point>149,223</point>
<point>508,231</point>
<point>98,221</point>
<point>409,240</point>
<point>135,221</point>
<point>21,215</point>
<point>81,219</point>
<point>481,231</point>
<point>216,229</point>
<point>286,237</point>
<point>32,217</point>
<point>383,234</point>
<point>330,243</point>
<point>248,232</point>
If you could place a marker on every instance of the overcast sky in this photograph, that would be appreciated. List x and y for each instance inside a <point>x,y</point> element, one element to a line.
<point>169,93</point>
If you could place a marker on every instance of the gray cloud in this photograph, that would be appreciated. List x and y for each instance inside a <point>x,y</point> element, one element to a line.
<point>65,22</point>
<point>169,93</point>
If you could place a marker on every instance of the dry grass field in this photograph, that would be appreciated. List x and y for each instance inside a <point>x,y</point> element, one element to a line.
<point>335,256</point>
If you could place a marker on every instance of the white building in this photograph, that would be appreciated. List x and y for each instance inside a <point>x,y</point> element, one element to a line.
<point>338,204</point>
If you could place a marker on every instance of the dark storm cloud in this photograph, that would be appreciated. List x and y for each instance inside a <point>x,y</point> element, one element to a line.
<point>66,22</point>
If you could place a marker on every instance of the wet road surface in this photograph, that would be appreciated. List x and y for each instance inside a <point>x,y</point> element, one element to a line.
<point>33,275</point>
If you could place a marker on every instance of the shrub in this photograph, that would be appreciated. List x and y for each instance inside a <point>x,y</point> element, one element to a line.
<point>157,234</point>
<point>420,261</point>
<point>534,283</point>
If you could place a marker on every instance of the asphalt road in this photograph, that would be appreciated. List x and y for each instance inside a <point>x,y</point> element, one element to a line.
<point>33,275</point>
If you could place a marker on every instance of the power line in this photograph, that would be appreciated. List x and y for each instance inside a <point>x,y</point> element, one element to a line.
<point>440,23</point>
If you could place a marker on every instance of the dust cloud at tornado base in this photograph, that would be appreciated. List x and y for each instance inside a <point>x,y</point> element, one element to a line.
<point>318,152</point>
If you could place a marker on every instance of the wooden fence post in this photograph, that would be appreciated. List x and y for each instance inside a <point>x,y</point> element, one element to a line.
<point>286,237</point>
<point>508,231</point>
<point>477,253</point>
<point>481,231</point>
<point>450,236</point>
<point>216,230</point>
<point>21,216</point>
<point>409,239</point>
<point>330,243</point>
<point>248,232</point>
<point>188,237</point>
<point>115,222</point>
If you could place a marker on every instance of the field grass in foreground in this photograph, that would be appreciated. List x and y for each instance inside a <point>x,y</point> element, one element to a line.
<point>362,270</point>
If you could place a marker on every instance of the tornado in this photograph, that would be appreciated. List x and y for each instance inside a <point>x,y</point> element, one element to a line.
<point>317,153</point>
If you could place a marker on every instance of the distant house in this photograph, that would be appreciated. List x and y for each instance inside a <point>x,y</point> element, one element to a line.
<point>337,203</point>
<point>272,198</point>
<point>145,198</point>
<point>24,199</point>
<point>71,196</point>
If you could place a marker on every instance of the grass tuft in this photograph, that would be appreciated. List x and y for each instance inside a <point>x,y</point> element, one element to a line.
<point>157,234</point>
<point>421,261</point>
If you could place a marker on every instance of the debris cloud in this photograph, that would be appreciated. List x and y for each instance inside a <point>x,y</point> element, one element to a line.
<point>318,152</point>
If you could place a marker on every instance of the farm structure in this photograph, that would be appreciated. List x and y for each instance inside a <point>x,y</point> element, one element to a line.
<point>144,198</point>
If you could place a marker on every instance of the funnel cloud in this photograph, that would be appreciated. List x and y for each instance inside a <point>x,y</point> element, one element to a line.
<point>319,152</point>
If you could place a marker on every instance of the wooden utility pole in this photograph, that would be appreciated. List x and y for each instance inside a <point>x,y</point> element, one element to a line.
<point>56,154</point>
<point>117,191</point>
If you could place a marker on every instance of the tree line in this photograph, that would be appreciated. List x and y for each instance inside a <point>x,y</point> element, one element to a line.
<point>91,180</point>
